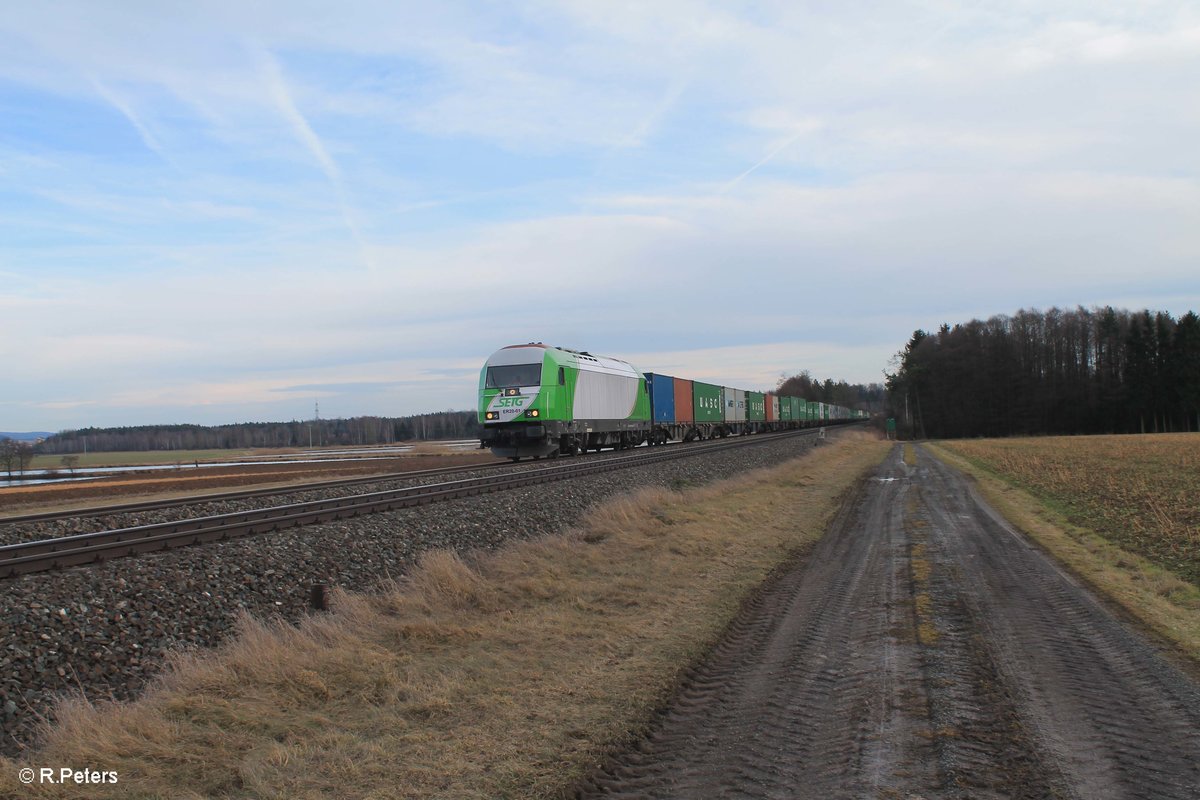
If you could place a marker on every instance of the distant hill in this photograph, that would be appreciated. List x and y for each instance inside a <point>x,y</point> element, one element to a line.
<point>27,436</point>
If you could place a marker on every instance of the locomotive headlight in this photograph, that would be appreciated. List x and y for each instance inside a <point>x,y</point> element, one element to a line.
<point>533,412</point>
<point>490,415</point>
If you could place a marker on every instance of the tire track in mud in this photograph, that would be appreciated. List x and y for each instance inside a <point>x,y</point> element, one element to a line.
<point>921,649</point>
<point>1115,718</point>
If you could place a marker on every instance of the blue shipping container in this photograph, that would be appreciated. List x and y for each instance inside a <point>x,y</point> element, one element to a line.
<point>662,397</point>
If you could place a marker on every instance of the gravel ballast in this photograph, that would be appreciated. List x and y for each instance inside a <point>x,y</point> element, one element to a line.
<point>105,630</point>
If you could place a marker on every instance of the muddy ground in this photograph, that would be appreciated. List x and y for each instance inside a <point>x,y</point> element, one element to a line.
<point>923,649</point>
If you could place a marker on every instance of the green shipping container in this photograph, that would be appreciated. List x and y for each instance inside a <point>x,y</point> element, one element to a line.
<point>811,410</point>
<point>706,401</point>
<point>756,407</point>
<point>785,409</point>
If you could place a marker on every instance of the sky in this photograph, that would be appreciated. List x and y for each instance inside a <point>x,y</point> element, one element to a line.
<point>219,212</point>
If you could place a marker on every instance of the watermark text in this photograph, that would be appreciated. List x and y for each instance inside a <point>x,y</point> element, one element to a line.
<point>66,775</point>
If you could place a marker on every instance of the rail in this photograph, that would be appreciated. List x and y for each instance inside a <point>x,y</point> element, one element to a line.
<point>242,494</point>
<point>90,548</point>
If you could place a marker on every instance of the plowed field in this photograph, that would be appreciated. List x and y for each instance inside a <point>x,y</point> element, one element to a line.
<point>1140,492</point>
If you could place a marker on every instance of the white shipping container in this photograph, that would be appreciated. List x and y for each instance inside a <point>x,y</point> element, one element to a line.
<point>735,404</point>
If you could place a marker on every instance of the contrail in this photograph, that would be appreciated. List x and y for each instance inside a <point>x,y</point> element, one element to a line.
<point>763,160</point>
<point>304,132</point>
<point>924,42</point>
<point>148,138</point>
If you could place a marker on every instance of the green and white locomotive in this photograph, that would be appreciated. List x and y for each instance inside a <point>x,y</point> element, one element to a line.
<point>537,400</point>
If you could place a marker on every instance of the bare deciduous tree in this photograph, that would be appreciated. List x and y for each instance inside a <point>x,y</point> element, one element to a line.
<point>8,455</point>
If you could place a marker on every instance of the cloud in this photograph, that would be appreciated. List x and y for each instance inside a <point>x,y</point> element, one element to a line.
<point>1108,41</point>
<point>778,278</point>
<point>282,97</point>
<point>762,366</point>
<point>148,138</point>
<point>800,130</point>
<point>364,205</point>
<point>336,388</point>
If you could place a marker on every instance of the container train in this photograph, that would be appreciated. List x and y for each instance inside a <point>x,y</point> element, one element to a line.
<point>537,400</point>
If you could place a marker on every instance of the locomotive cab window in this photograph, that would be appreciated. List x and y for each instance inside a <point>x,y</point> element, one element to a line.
<point>514,375</point>
<point>562,377</point>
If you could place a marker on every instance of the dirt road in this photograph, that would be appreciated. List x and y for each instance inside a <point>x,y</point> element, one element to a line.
<point>923,649</point>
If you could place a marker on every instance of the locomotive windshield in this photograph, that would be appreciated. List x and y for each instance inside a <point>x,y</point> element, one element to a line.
<point>514,375</point>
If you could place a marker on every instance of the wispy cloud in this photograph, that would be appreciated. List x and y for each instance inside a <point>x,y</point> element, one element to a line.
<point>375,201</point>
<point>282,98</point>
<point>654,118</point>
<point>791,140</point>
<point>123,106</point>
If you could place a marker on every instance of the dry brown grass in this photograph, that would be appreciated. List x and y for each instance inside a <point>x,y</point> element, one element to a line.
<point>436,449</point>
<point>510,675</point>
<point>1157,597</point>
<point>1140,492</point>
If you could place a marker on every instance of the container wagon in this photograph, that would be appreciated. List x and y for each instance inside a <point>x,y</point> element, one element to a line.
<point>537,400</point>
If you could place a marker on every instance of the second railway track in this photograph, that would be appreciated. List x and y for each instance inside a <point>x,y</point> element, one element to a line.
<point>241,494</point>
<point>89,548</point>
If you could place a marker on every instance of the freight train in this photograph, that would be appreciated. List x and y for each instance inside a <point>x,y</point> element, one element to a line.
<point>536,400</point>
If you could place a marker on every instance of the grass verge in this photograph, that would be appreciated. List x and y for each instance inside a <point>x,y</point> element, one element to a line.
<point>1156,597</point>
<point>1137,491</point>
<point>512,674</point>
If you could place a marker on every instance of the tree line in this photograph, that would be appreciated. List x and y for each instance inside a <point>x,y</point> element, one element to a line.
<point>297,433</point>
<point>1084,371</point>
<point>867,397</point>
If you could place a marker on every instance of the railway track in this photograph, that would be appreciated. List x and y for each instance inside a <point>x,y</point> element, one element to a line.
<point>90,548</point>
<point>242,494</point>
